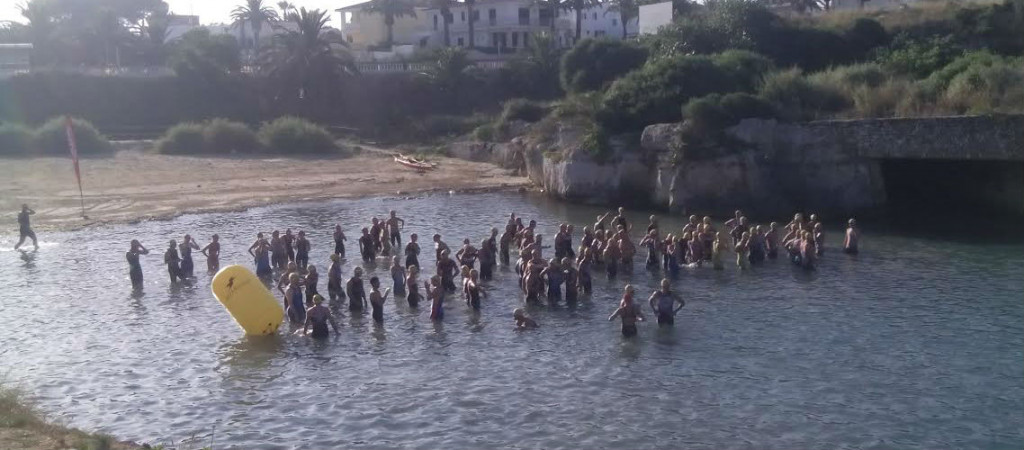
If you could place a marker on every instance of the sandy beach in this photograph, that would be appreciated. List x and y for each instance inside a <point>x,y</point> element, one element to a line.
<point>137,184</point>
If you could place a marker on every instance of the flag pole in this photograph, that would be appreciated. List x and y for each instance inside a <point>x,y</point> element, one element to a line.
<point>73,148</point>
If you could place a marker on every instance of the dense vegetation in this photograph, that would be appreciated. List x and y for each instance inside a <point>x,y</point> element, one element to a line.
<point>282,136</point>
<point>50,139</point>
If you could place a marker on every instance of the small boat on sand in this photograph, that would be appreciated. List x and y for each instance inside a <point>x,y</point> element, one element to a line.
<point>414,163</point>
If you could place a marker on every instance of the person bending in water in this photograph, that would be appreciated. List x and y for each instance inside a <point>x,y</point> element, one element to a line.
<point>339,241</point>
<point>134,266</point>
<point>412,284</point>
<point>294,306</point>
<point>318,316</point>
<point>523,322</point>
<point>302,250</point>
<point>334,280</point>
<point>412,251</point>
<point>628,313</point>
<point>212,254</point>
<point>663,301</point>
<point>312,278</point>
<point>356,291</point>
<point>396,224</point>
<point>852,237</point>
<point>397,276</point>
<point>172,260</point>
<point>367,247</point>
<point>377,299</point>
<point>187,267</point>
<point>25,228</point>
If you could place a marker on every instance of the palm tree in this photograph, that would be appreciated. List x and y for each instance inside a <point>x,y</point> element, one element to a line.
<point>469,10</point>
<point>255,14</point>
<point>627,9</point>
<point>390,9</point>
<point>307,62</point>
<point>578,6</point>
<point>445,7</point>
<point>287,9</point>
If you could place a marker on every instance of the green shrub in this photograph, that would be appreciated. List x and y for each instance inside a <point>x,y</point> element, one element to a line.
<point>522,109</point>
<point>595,143</point>
<point>987,89</point>
<point>746,68</point>
<point>221,136</point>
<point>183,139</point>
<point>288,135</point>
<point>592,64</point>
<point>714,112</point>
<point>15,139</point>
<point>434,126</point>
<point>52,139</point>
<point>485,133</point>
<point>797,98</point>
<point>940,79</point>
<point>916,57</point>
<point>852,76</point>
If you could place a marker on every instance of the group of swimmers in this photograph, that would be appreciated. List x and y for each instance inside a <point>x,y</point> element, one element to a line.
<point>568,274</point>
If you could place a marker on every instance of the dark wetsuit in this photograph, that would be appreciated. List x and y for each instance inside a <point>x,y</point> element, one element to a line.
<point>172,260</point>
<point>213,261</point>
<point>301,252</point>
<point>503,244</point>
<point>288,248</point>
<point>412,255</point>
<point>487,262</point>
<point>378,310</point>
<point>628,326</point>
<point>334,282</point>
<point>585,277</point>
<point>296,309</point>
<point>437,309</point>
<point>134,268</point>
<point>474,297</point>
<point>398,278</point>
<point>263,269</point>
<point>319,322</point>
<point>447,268</point>
<point>663,303</point>
<point>311,281</point>
<point>555,279</point>
<point>757,249</point>
<point>368,247</point>
<point>652,253</point>
<point>375,235</point>
<point>24,229</point>
<point>737,233</point>
<point>356,294</point>
<point>339,246</point>
<point>414,296</point>
<point>571,284</point>
<point>186,267</point>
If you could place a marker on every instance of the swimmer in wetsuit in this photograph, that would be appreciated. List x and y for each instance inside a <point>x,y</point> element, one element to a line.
<point>743,251</point>
<point>260,251</point>
<point>339,241</point>
<point>311,279</point>
<point>467,255</point>
<point>334,280</point>
<point>413,286</point>
<point>302,250</point>
<point>134,266</point>
<point>212,254</point>
<point>572,279</point>
<point>395,224</point>
<point>439,247</point>
<point>186,267</point>
<point>318,316</point>
<point>294,306</point>
<point>289,244</point>
<point>397,277</point>
<point>367,246</point>
<point>278,255</point>
<point>771,240</point>
<point>356,291</point>
<point>286,276</point>
<point>412,251</point>
<point>25,228</point>
<point>377,299</point>
<point>663,301</point>
<point>446,270</point>
<point>555,277</point>
<point>852,238</point>
<point>628,313</point>
<point>523,322</point>
<point>718,252</point>
<point>171,259</point>
<point>474,291</point>
<point>488,258</point>
<point>436,295</point>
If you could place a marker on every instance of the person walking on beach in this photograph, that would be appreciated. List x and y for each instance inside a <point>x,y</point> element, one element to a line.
<point>212,254</point>
<point>628,313</point>
<point>134,266</point>
<point>339,241</point>
<point>172,260</point>
<point>662,303</point>
<point>187,267</point>
<point>25,228</point>
<point>318,316</point>
<point>395,224</point>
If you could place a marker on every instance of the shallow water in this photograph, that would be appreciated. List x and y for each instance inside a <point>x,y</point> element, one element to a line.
<point>916,343</point>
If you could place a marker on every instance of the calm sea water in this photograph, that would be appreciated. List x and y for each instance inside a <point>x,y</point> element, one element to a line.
<point>918,343</point>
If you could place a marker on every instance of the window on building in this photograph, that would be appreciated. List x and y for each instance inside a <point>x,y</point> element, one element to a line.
<point>435,22</point>
<point>515,39</point>
<point>595,16</point>
<point>461,42</point>
<point>476,16</point>
<point>492,16</point>
<point>524,16</point>
<point>526,39</point>
<point>545,17</point>
<point>463,13</point>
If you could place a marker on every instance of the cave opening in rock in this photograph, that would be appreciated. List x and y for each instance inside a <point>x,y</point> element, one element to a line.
<point>932,188</point>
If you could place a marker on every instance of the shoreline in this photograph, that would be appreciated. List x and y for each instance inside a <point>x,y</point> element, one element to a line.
<point>137,185</point>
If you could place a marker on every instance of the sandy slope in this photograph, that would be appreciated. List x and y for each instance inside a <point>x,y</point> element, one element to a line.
<point>135,184</point>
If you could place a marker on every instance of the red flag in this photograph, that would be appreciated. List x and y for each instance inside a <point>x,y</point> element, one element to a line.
<point>73,147</point>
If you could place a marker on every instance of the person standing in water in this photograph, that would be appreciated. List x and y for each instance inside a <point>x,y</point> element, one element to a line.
<point>439,247</point>
<point>771,240</point>
<point>571,276</point>
<point>294,306</point>
<point>277,250</point>
<point>367,246</point>
<point>436,295</point>
<point>718,252</point>
<point>25,228</point>
<point>819,238</point>
<point>586,262</point>
<point>134,266</point>
<point>289,245</point>
<point>467,255</point>
<point>172,260</point>
<point>395,224</point>
<point>334,280</point>
<point>397,276</point>
<point>260,251</point>
<point>852,237</point>
<point>286,277</point>
<point>743,251</point>
<point>318,316</point>
<point>312,278</point>
<point>474,291</point>
<point>523,322</point>
<point>377,300</point>
<point>187,267</point>
<point>339,241</point>
<point>212,254</point>
<point>662,303</point>
<point>555,277</point>
<point>446,270</point>
<point>628,313</point>
<point>488,258</point>
<point>412,284</point>
<point>302,250</point>
<point>412,251</point>
<point>356,291</point>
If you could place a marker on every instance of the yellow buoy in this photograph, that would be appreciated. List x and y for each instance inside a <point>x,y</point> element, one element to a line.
<point>248,301</point>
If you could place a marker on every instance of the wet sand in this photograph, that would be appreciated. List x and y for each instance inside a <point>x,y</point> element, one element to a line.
<point>136,184</point>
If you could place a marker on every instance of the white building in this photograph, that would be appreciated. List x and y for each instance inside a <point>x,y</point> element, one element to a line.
<point>654,16</point>
<point>500,27</point>
<point>178,25</point>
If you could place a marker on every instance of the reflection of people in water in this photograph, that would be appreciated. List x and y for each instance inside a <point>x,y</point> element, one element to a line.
<point>318,316</point>
<point>24,228</point>
<point>134,267</point>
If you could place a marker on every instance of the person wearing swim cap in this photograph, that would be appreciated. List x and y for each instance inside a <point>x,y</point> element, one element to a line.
<point>628,313</point>
<point>134,266</point>
<point>523,322</point>
<point>318,316</point>
<point>663,303</point>
<point>356,291</point>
